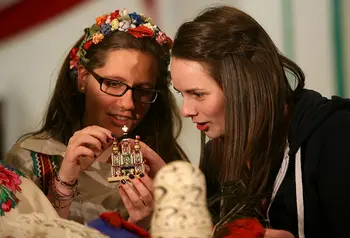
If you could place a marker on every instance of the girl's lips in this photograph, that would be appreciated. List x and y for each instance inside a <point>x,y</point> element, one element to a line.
<point>117,120</point>
<point>203,126</point>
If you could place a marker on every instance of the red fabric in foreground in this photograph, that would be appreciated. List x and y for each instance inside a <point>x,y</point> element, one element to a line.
<point>114,219</point>
<point>26,14</point>
<point>244,228</point>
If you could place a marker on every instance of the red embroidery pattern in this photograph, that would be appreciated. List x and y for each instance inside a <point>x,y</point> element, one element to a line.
<point>45,167</point>
<point>9,185</point>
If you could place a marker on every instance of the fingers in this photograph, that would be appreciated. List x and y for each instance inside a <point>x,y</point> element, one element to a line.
<point>144,186</point>
<point>150,154</point>
<point>90,142</point>
<point>82,150</point>
<point>102,135</point>
<point>139,194</point>
<point>153,160</point>
<point>93,137</point>
<point>146,181</point>
<point>139,212</point>
<point>125,198</point>
<point>99,132</point>
<point>147,169</point>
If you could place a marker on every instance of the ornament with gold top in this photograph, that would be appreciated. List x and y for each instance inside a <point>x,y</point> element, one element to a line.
<point>126,158</point>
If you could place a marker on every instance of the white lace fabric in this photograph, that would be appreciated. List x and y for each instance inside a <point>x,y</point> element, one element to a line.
<point>38,226</point>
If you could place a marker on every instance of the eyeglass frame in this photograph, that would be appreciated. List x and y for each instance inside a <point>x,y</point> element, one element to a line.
<point>100,80</point>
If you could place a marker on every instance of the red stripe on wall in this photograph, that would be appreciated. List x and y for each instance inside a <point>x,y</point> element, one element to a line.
<point>26,14</point>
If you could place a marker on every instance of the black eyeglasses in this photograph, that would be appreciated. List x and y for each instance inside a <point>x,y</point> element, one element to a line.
<point>117,88</point>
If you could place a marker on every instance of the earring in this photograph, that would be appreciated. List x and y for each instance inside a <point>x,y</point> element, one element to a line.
<point>82,88</point>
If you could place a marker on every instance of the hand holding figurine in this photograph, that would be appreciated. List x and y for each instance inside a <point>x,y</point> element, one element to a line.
<point>152,159</point>
<point>87,143</point>
<point>135,187</point>
<point>138,199</point>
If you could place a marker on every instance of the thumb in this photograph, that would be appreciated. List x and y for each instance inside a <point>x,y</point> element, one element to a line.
<point>153,160</point>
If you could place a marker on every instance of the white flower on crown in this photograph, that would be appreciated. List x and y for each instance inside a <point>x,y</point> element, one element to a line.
<point>150,26</point>
<point>132,25</point>
<point>123,12</point>
<point>124,25</point>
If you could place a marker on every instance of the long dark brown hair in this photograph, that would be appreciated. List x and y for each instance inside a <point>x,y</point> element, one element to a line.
<point>162,123</point>
<point>246,64</point>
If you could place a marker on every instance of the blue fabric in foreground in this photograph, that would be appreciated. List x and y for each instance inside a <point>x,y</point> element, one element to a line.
<point>110,231</point>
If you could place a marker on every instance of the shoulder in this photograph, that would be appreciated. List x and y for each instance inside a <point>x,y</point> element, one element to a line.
<point>327,151</point>
<point>19,158</point>
<point>334,132</point>
<point>338,123</point>
<point>330,141</point>
<point>333,171</point>
<point>25,148</point>
<point>32,154</point>
<point>43,143</point>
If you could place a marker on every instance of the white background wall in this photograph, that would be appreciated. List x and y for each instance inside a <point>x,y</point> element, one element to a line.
<point>30,62</point>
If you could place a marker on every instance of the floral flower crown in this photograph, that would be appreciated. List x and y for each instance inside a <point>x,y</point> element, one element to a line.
<point>137,25</point>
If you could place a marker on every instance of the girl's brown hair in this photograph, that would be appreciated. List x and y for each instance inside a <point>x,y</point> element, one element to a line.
<point>246,64</point>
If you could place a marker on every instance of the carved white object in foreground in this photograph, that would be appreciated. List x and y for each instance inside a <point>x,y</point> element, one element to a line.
<point>180,203</point>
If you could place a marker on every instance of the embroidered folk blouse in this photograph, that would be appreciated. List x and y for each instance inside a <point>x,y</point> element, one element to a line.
<point>40,158</point>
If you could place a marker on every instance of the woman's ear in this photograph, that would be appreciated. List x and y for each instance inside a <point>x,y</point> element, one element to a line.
<point>82,79</point>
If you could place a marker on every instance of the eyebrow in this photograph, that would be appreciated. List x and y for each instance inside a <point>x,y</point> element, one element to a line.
<point>117,78</point>
<point>191,90</point>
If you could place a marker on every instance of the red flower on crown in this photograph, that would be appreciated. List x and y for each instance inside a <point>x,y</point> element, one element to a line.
<point>73,52</point>
<point>115,15</point>
<point>141,31</point>
<point>74,58</point>
<point>87,44</point>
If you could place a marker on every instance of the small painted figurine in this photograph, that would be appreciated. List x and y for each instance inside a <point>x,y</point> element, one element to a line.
<point>125,159</point>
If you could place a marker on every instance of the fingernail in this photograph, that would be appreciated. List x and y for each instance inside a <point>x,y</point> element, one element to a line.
<point>95,156</point>
<point>107,140</point>
<point>131,176</point>
<point>142,175</point>
<point>123,181</point>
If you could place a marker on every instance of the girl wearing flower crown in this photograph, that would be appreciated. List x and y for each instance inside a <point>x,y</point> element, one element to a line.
<point>116,75</point>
